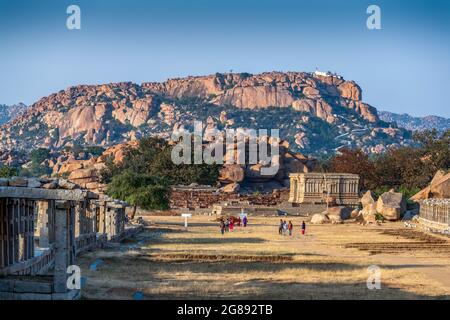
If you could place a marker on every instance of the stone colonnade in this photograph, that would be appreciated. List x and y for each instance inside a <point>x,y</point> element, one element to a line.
<point>42,231</point>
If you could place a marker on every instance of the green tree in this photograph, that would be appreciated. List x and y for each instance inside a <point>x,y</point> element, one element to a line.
<point>357,162</point>
<point>139,190</point>
<point>149,169</point>
<point>7,172</point>
<point>95,150</point>
<point>39,155</point>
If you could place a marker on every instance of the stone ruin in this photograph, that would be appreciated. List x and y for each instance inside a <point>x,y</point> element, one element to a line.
<point>43,227</point>
<point>202,197</point>
<point>434,203</point>
<point>435,214</point>
<point>315,187</point>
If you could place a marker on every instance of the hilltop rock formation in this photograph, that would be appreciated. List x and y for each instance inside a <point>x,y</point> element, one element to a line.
<point>302,91</point>
<point>317,114</point>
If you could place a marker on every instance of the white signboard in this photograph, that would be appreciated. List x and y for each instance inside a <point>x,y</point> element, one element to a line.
<point>186,216</point>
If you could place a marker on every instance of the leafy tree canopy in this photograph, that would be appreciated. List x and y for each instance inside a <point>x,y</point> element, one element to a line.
<point>7,172</point>
<point>407,169</point>
<point>146,173</point>
<point>39,155</point>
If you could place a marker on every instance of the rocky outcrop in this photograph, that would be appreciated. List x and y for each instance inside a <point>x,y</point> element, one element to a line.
<point>319,218</point>
<point>438,188</point>
<point>339,213</point>
<point>230,188</point>
<point>316,113</point>
<point>86,173</point>
<point>369,205</point>
<point>391,205</point>
<point>231,173</point>
<point>299,90</point>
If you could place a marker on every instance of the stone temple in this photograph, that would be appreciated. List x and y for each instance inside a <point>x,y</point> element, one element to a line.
<point>316,188</point>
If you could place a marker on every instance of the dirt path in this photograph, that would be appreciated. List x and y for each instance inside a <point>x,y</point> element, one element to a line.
<point>330,262</point>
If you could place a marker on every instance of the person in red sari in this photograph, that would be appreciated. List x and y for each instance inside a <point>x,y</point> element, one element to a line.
<point>231,224</point>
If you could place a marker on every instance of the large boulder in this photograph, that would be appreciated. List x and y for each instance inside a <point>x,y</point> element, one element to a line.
<point>438,188</point>
<point>335,219</point>
<point>230,188</point>
<point>231,173</point>
<point>391,205</point>
<point>82,173</point>
<point>254,173</point>
<point>370,218</point>
<point>319,218</point>
<point>367,199</point>
<point>350,90</point>
<point>340,212</point>
<point>369,204</point>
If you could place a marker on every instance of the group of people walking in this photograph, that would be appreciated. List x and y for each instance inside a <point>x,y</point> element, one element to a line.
<point>227,225</point>
<point>287,228</point>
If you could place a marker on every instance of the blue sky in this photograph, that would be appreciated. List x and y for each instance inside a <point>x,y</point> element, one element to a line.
<point>402,68</point>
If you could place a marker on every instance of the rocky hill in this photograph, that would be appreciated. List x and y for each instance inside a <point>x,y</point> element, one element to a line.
<point>7,113</point>
<point>416,123</point>
<point>317,114</point>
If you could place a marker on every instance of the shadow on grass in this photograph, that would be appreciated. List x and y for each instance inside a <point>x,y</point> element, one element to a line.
<point>213,289</point>
<point>211,280</point>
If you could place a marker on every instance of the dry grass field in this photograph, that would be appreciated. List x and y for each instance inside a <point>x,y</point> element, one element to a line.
<point>329,262</point>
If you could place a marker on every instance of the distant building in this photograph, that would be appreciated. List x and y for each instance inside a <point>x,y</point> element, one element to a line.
<point>326,74</point>
<point>343,188</point>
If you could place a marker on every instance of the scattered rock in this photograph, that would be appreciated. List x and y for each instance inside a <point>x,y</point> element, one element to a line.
<point>369,204</point>
<point>231,173</point>
<point>340,212</point>
<point>439,188</point>
<point>65,184</point>
<point>82,173</point>
<point>335,219</point>
<point>354,214</point>
<point>231,188</point>
<point>319,218</point>
<point>391,205</point>
<point>51,185</point>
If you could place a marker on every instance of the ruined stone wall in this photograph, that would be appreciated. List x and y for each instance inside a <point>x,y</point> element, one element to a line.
<point>195,198</point>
